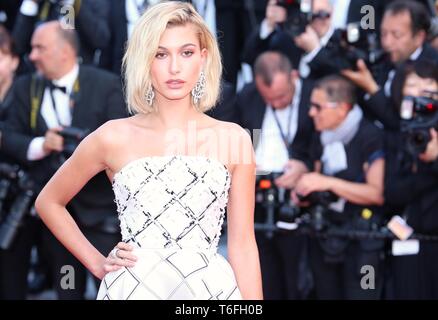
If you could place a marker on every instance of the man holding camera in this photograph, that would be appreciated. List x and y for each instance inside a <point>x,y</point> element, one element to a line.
<point>89,17</point>
<point>51,112</point>
<point>303,31</point>
<point>348,162</point>
<point>277,103</point>
<point>404,30</point>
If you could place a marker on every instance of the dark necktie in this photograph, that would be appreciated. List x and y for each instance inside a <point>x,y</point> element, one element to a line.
<point>53,86</point>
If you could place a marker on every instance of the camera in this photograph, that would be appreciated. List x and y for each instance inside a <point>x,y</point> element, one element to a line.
<point>278,210</point>
<point>353,44</point>
<point>18,183</point>
<point>299,15</point>
<point>419,115</point>
<point>72,137</point>
<point>319,208</point>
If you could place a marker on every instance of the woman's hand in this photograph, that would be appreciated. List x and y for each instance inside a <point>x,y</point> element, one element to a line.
<point>121,256</point>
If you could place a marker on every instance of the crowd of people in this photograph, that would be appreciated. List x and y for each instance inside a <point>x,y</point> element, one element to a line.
<point>342,109</point>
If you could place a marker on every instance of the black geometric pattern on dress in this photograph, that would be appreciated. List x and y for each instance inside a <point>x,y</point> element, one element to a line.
<point>171,209</point>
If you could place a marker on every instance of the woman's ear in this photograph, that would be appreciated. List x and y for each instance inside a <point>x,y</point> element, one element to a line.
<point>204,54</point>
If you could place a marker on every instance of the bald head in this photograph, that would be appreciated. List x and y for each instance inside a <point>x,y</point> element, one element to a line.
<point>63,35</point>
<point>54,49</point>
<point>270,63</point>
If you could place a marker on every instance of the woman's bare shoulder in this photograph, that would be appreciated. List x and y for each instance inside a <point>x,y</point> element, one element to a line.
<point>115,132</point>
<point>232,129</point>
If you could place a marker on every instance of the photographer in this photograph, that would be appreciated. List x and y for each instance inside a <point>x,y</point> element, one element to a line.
<point>277,103</point>
<point>303,37</point>
<point>91,20</point>
<point>348,154</point>
<point>411,183</point>
<point>14,261</point>
<point>50,113</point>
<point>404,30</point>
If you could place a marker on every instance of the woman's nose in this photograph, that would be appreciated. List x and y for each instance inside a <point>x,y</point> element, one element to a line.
<point>175,65</point>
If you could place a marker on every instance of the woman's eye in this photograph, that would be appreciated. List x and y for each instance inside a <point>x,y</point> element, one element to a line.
<point>187,53</point>
<point>160,55</point>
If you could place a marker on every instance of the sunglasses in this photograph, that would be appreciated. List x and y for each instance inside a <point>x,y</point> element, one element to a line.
<point>328,105</point>
<point>321,15</point>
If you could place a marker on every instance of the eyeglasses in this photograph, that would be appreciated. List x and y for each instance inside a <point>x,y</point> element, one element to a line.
<point>328,105</point>
<point>322,14</point>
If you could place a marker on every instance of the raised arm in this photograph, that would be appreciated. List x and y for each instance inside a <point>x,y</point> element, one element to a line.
<point>86,162</point>
<point>242,247</point>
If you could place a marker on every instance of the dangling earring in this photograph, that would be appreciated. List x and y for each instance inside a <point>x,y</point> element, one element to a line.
<point>199,89</point>
<point>150,95</point>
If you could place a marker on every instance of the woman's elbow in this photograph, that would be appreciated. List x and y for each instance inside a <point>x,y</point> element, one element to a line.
<point>39,204</point>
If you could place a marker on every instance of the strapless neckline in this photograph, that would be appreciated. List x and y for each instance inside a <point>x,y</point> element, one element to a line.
<point>166,157</point>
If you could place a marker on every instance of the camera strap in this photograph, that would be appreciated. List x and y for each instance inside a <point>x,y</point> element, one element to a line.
<point>284,137</point>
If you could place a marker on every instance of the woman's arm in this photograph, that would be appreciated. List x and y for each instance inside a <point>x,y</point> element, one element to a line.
<point>242,247</point>
<point>86,162</point>
<point>368,193</point>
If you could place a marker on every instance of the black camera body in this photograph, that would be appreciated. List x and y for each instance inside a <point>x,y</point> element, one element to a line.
<point>318,209</point>
<point>299,15</point>
<point>72,137</point>
<point>279,212</point>
<point>419,115</point>
<point>17,182</point>
<point>353,44</point>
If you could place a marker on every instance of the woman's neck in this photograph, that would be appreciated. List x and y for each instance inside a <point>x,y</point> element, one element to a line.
<point>175,113</point>
<point>4,87</point>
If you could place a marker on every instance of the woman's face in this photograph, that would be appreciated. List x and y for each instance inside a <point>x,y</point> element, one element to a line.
<point>416,86</point>
<point>177,63</point>
<point>8,65</point>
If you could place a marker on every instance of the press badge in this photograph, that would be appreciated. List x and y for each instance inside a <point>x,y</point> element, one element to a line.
<point>406,247</point>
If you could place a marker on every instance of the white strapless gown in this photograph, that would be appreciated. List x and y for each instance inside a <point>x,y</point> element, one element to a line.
<point>171,209</point>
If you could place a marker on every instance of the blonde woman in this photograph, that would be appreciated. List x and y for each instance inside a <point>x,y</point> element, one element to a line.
<point>174,173</point>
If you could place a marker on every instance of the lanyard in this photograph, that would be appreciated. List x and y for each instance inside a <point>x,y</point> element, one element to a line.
<point>285,138</point>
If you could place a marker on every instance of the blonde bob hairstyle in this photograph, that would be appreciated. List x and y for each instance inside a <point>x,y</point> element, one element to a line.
<point>143,46</point>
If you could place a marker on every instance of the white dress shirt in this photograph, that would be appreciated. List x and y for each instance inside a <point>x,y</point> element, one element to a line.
<point>207,10</point>
<point>63,111</point>
<point>271,152</point>
<point>133,13</point>
<point>340,14</point>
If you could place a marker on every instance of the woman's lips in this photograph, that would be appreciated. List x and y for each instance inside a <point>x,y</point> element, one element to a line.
<point>175,84</point>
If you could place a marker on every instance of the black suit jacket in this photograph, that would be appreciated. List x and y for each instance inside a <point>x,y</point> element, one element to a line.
<point>250,112</point>
<point>112,55</point>
<point>91,24</point>
<point>99,99</point>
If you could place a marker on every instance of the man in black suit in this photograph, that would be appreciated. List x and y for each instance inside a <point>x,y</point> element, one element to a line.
<point>404,30</point>
<point>91,20</point>
<point>277,105</point>
<point>65,95</point>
